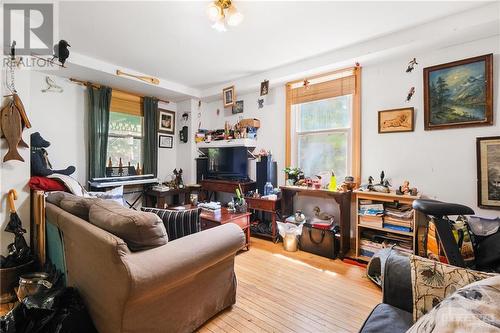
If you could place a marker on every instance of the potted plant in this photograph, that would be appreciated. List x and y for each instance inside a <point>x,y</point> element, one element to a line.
<point>293,175</point>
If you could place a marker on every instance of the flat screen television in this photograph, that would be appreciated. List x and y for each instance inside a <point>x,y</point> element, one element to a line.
<point>229,162</point>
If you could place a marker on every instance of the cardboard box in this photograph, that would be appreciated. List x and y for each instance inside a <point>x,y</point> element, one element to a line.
<point>250,123</point>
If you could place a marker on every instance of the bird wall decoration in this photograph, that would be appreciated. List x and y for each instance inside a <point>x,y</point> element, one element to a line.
<point>410,94</point>
<point>411,65</point>
<point>61,51</point>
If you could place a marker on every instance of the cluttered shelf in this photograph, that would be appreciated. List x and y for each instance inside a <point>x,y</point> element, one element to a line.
<point>386,220</point>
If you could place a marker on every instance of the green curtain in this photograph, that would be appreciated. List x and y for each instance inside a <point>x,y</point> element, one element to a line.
<point>150,149</point>
<point>99,100</point>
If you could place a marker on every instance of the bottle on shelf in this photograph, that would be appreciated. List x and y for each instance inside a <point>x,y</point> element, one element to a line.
<point>268,188</point>
<point>332,186</point>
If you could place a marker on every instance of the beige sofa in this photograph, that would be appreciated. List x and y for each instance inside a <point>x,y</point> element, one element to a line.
<point>172,288</point>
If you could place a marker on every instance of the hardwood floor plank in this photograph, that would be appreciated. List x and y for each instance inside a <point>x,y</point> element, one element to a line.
<point>297,292</point>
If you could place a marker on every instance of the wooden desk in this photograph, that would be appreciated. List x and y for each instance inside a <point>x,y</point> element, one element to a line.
<point>211,186</point>
<point>268,206</point>
<point>210,220</point>
<point>343,199</point>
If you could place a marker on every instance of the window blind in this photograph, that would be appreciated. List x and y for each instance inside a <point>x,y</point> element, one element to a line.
<point>126,103</point>
<point>335,84</point>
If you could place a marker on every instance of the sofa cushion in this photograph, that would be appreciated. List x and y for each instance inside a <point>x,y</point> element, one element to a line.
<point>433,281</point>
<point>473,308</point>
<point>387,318</point>
<point>56,197</point>
<point>115,194</point>
<point>140,230</point>
<point>178,223</point>
<point>77,206</point>
<point>73,204</point>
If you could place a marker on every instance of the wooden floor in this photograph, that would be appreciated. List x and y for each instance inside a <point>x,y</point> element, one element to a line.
<point>282,291</point>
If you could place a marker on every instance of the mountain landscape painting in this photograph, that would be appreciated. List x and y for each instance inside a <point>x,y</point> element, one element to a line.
<point>459,93</point>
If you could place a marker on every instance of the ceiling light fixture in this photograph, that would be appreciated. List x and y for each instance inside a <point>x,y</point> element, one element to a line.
<point>223,12</point>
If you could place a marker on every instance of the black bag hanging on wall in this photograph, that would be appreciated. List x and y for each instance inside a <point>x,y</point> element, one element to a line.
<point>320,241</point>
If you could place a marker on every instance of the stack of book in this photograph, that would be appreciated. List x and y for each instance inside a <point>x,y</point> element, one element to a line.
<point>368,248</point>
<point>371,214</point>
<point>371,243</point>
<point>211,207</point>
<point>398,217</point>
<point>321,224</point>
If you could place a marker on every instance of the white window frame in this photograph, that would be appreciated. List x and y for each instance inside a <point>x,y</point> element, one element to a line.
<point>296,134</point>
<point>125,136</point>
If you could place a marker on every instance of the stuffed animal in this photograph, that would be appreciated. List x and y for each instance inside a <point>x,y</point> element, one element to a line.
<point>40,164</point>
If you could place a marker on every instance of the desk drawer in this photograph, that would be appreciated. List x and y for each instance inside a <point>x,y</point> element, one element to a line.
<point>266,205</point>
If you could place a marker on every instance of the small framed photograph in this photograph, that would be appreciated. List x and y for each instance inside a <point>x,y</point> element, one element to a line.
<point>238,107</point>
<point>459,94</point>
<point>488,172</point>
<point>228,96</point>
<point>166,141</point>
<point>166,121</point>
<point>264,87</point>
<point>396,120</point>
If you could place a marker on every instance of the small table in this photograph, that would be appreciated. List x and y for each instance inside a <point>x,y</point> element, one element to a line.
<point>210,220</point>
<point>268,206</point>
<point>158,198</point>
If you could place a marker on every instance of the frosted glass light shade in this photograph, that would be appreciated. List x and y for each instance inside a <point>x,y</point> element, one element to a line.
<point>234,17</point>
<point>213,12</point>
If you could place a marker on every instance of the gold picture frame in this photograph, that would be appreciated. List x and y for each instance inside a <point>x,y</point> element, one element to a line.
<point>228,96</point>
<point>396,120</point>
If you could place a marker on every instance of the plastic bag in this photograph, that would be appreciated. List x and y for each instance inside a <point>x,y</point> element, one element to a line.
<point>57,310</point>
<point>289,228</point>
<point>481,226</point>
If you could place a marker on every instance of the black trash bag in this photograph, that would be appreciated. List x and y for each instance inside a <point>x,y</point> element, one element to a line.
<point>56,310</point>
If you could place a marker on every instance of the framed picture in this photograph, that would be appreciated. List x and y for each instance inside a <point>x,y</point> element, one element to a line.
<point>488,172</point>
<point>396,120</point>
<point>264,87</point>
<point>459,93</point>
<point>166,141</point>
<point>228,96</point>
<point>166,121</point>
<point>238,107</point>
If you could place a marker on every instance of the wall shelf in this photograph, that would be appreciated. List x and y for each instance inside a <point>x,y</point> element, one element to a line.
<point>249,143</point>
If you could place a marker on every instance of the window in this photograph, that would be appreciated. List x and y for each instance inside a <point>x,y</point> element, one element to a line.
<point>323,124</point>
<point>125,138</point>
<point>323,132</point>
<point>126,129</point>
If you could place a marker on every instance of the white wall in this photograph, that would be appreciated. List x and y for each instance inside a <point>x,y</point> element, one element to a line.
<point>167,158</point>
<point>441,163</point>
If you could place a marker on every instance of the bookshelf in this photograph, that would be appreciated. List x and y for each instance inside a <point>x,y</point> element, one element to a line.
<point>375,226</point>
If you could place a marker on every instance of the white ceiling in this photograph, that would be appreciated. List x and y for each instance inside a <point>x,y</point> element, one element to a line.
<point>173,39</point>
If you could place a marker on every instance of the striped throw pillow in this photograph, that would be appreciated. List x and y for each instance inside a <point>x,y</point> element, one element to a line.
<point>179,223</point>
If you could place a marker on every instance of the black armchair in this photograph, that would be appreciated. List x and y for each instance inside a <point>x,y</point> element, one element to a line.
<point>395,313</point>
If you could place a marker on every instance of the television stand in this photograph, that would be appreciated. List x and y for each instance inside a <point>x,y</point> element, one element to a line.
<point>212,186</point>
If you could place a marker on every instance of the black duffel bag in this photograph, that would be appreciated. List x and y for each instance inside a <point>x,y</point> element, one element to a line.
<point>320,241</point>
